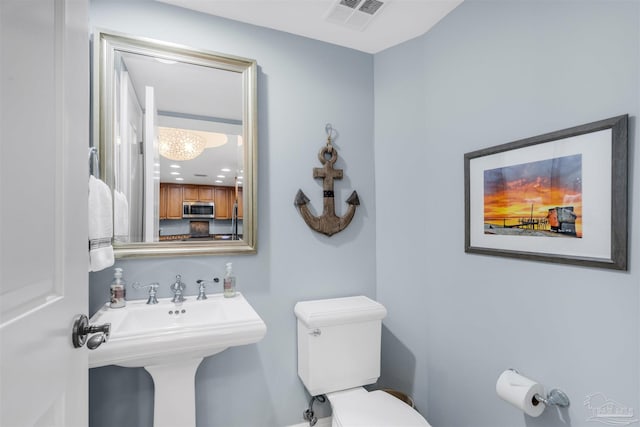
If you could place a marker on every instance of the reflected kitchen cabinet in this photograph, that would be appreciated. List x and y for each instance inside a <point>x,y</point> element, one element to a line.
<point>221,200</point>
<point>205,193</point>
<point>174,194</point>
<point>232,198</point>
<point>190,193</point>
<point>197,193</point>
<point>162,213</point>
<point>240,203</point>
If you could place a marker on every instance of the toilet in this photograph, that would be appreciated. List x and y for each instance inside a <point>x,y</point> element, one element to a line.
<point>339,353</point>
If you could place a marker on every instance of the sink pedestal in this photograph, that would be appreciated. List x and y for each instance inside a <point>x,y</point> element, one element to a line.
<point>175,393</point>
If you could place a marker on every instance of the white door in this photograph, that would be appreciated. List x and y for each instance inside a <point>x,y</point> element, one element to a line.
<point>132,139</point>
<point>44,120</point>
<point>151,166</point>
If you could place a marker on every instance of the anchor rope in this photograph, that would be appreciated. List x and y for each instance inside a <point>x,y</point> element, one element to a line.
<point>330,133</point>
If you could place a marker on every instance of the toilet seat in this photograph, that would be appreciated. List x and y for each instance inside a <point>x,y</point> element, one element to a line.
<point>357,407</point>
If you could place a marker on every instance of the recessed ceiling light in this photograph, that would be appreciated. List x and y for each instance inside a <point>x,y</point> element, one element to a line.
<point>221,176</point>
<point>225,170</point>
<point>218,181</point>
<point>240,177</point>
<point>175,166</point>
<point>175,173</point>
<point>179,179</point>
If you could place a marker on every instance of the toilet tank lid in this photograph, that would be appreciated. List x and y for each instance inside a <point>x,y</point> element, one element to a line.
<point>336,311</point>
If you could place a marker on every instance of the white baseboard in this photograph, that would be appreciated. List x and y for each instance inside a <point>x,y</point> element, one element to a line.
<point>322,422</point>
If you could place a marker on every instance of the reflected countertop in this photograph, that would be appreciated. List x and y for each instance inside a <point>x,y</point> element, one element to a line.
<point>188,237</point>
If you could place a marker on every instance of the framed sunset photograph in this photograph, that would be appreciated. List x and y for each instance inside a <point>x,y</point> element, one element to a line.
<point>559,197</point>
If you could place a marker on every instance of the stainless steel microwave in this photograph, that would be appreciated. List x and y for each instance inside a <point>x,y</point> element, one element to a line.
<point>198,210</point>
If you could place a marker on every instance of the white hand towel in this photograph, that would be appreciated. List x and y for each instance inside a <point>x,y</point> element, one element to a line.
<point>120,217</point>
<point>100,225</point>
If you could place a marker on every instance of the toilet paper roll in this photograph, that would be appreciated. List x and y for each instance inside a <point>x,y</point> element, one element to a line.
<point>519,391</point>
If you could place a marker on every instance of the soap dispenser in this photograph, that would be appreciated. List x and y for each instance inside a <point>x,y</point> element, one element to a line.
<point>229,283</point>
<point>118,290</point>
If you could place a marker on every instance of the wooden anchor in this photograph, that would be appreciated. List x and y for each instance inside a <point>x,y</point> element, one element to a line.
<point>328,223</point>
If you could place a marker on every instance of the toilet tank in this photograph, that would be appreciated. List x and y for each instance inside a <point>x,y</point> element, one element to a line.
<point>339,343</point>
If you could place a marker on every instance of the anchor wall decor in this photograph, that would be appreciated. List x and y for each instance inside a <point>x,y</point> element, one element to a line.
<point>328,223</point>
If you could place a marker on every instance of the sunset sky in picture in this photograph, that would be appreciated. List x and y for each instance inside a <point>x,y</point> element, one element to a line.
<point>510,192</point>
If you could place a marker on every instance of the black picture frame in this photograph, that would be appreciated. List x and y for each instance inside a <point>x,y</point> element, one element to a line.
<point>593,231</point>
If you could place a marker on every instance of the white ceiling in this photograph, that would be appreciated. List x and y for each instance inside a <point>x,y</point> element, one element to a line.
<point>397,21</point>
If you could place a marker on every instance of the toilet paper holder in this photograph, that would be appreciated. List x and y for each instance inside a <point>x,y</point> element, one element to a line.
<point>555,397</point>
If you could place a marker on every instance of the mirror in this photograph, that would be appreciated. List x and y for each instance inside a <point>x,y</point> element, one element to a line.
<point>177,132</point>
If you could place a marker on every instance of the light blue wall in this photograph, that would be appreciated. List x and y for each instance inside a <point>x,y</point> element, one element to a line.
<point>492,72</point>
<point>303,84</point>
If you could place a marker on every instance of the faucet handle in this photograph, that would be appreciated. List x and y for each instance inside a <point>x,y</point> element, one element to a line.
<point>153,290</point>
<point>138,285</point>
<point>201,287</point>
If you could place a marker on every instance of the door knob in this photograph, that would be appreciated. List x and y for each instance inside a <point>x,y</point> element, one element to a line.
<point>82,329</point>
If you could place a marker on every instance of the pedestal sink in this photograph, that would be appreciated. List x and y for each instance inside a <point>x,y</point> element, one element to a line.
<point>170,340</point>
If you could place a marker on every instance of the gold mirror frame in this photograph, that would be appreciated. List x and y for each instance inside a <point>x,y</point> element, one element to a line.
<point>105,46</point>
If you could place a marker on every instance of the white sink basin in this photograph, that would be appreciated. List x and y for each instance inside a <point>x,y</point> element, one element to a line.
<point>143,335</point>
<point>170,340</point>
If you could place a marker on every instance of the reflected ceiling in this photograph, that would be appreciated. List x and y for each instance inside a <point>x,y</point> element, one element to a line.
<point>200,99</point>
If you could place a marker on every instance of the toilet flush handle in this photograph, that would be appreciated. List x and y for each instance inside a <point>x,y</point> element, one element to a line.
<point>316,332</point>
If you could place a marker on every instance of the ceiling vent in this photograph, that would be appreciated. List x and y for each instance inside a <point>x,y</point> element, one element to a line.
<point>370,6</point>
<point>355,14</point>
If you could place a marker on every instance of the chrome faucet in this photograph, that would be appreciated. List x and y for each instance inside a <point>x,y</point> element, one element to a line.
<point>177,287</point>
<point>153,291</point>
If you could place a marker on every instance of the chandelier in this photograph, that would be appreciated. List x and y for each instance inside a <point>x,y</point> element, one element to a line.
<point>178,144</point>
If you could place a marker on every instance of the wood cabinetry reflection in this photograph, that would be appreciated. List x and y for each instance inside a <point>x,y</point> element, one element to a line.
<point>171,201</point>
<point>197,193</point>
<point>172,196</point>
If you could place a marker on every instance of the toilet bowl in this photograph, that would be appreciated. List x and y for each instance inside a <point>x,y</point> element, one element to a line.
<point>339,352</point>
<point>358,407</point>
